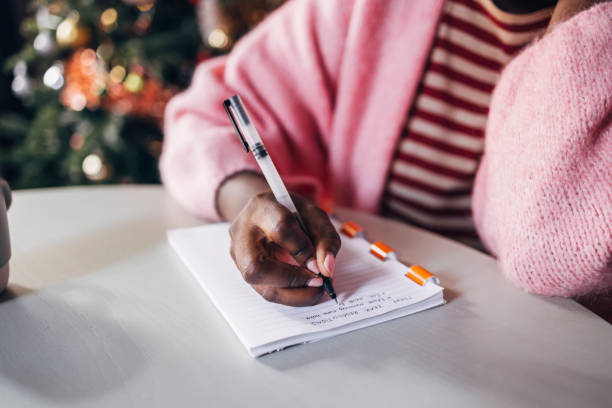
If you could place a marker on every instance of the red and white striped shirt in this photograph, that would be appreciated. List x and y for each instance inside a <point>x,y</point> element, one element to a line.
<point>431,177</point>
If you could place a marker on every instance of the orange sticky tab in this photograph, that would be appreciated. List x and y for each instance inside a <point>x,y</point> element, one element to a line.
<point>380,250</point>
<point>351,229</point>
<point>327,206</point>
<point>419,274</point>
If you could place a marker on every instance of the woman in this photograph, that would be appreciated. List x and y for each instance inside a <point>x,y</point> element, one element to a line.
<point>388,105</point>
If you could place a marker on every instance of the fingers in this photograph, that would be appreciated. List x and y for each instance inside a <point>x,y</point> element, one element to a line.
<point>273,273</point>
<point>258,267</point>
<point>324,235</point>
<point>290,297</point>
<point>274,254</point>
<point>281,227</point>
<point>281,254</point>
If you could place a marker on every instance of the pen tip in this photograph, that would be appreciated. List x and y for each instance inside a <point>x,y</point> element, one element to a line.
<point>336,300</point>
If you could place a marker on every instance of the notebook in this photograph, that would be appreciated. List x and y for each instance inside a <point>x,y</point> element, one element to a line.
<point>370,289</point>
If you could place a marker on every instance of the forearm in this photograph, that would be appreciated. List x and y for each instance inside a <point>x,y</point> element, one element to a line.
<point>542,196</point>
<point>237,190</point>
<point>201,149</point>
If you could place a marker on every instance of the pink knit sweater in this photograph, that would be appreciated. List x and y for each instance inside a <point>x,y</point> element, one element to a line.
<point>329,84</point>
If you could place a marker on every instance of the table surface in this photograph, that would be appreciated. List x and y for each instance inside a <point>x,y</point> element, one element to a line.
<point>101,312</point>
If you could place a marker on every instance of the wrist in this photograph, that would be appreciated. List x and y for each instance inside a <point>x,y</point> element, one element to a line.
<point>236,190</point>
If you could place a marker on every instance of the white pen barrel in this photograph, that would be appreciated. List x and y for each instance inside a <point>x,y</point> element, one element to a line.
<point>276,184</point>
<point>252,139</point>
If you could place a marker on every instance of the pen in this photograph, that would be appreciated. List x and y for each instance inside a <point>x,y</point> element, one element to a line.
<point>250,138</point>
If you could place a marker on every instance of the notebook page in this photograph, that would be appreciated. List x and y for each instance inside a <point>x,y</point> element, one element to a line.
<point>435,300</point>
<point>366,287</point>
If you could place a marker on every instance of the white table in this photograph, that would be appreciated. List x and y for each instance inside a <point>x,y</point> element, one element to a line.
<point>105,314</point>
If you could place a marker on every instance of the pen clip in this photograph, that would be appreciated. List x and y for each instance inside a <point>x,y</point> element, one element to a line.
<point>227,106</point>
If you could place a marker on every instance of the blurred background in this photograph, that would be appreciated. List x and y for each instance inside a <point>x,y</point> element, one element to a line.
<point>84,83</point>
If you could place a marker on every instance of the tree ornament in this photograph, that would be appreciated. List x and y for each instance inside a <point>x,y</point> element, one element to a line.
<point>146,6</point>
<point>105,50</point>
<point>94,167</point>
<point>133,82</point>
<point>45,20</point>
<point>150,101</point>
<point>77,140</point>
<point>70,33</point>
<point>142,23</point>
<point>51,138</point>
<point>57,7</point>
<point>108,19</point>
<point>20,68</point>
<point>117,74</point>
<point>139,2</point>
<point>223,22</point>
<point>54,76</point>
<point>85,78</point>
<point>44,43</point>
<point>218,38</point>
<point>22,86</point>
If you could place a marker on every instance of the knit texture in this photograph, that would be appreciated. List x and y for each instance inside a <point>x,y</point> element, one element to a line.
<point>330,109</point>
<point>543,194</point>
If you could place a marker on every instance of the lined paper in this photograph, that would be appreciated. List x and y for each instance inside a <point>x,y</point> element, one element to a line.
<point>366,288</point>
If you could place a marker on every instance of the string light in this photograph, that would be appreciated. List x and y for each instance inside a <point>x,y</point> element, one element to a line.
<point>70,33</point>
<point>108,19</point>
<point>21,85</point>
<point>67,32</point>
<point>117,74</point>
<point>75,99</point>
<point>77,140</point>
<point>94,168</point>
<point>145,7</point>
<point>133,82</point>
<point>53,77</point>
<point>46,20</point>
<point>218,38</point>
<point>142,23</point>
<point>105,50</point>
<point>43,42</point>
<point>21,68</point>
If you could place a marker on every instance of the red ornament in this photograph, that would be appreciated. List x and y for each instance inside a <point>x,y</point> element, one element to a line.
<point>150,101</point>
<point>85,78</point>
<point>88,85</point>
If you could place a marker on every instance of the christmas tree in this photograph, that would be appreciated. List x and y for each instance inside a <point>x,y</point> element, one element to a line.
<point>95,77</point>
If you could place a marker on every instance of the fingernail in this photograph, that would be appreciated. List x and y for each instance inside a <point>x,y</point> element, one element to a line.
<point>312,266</point>
<point>330,262</point>
<point>315,282</point>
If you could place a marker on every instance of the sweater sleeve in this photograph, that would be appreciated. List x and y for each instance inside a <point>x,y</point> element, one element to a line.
<point>285,71</point>
<point>542,199</point>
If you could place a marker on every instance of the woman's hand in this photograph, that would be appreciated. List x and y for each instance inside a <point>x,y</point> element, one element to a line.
<point>276,257</point>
